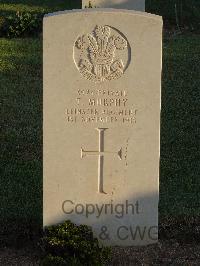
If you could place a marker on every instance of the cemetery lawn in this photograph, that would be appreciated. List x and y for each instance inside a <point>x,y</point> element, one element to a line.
<point>21,153</point>
<point>36,6</point>
<point>21,139</point>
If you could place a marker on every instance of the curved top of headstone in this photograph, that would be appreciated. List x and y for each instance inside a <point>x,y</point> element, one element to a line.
<point>104,10</point>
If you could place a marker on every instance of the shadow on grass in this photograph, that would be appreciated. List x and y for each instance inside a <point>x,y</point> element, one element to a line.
<point>21,153</point>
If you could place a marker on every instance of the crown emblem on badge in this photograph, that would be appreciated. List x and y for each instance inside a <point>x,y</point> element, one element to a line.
<point>96,57</point>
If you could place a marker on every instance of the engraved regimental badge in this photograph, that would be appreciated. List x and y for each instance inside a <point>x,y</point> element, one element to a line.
<point>102,54</point>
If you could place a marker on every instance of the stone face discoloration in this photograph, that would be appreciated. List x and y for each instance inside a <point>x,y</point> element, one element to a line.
<point>101,139</point>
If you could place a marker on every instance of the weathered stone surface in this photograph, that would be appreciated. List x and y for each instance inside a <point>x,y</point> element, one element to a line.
<point>138,5</point>
<point>102,81</point>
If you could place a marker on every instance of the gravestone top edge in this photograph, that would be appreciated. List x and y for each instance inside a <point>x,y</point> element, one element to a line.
<point>104,10</point>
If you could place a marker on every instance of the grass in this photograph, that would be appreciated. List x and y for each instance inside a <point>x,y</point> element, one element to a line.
<point>36,6</point>
<point>21,141</point>
<point>180,128</point>
<point>187,12</point>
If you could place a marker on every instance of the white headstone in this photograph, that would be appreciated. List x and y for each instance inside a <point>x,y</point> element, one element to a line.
<point>102,81</point>
<point>138,5</point>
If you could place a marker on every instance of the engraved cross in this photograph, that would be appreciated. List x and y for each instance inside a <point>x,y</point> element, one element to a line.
<point>100,153</point>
